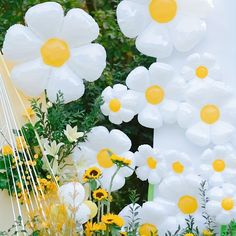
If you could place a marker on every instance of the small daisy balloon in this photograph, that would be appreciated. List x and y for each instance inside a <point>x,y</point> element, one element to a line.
<point>158,93</point>
<point>218,165</point>
<point>120,104</point>
<point>222,203</point>
<point>148,161</point>
<point>54,52</point>
<point>208,114</point>
<point>161,25</point>
<point>96,152</point>
<point>201,68</point>
<point>176,163</point>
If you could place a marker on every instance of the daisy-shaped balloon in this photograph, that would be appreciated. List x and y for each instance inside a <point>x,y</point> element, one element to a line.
<point>222,203</point>
<point>158,94</point>
<point>201,68</point>
<point>176,163</point>
<point>119,104</point>
<point>208,115</point>
<point>73,195</point>
<point>161,25</point>
<point>148,161</point>
<point>54,52</point>
<point>218,165</point>
<point>96,151</point>
<point>180,197</point>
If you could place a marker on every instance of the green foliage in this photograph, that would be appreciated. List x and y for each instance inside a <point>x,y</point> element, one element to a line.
<point>122,57</point>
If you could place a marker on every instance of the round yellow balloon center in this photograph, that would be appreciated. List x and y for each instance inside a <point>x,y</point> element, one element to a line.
<point>115,105</point>
<point>55,52</point>
<point>155,95</point>
<point>218,165</point>
<point>104,159</point>
<point>210,114</point>
<point>201,72</point>
<point>227,204</point>
<point>188,204</point>
<point>152,163</point>
<point>178,167</point>
<point>163,11</point>
<point>148,230</point>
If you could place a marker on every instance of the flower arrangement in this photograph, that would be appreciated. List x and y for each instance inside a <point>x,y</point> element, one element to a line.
<point>65,167</point>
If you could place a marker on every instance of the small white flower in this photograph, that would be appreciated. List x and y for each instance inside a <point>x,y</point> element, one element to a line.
<point>148,161</point>
<point>72,134</point>
<point>218,165</point>
<point>158,94</point>
<point>53,148</point>
<point>201,69</point>
<point>119,104</point>
<point>222,203</point>
<point>208,114</point>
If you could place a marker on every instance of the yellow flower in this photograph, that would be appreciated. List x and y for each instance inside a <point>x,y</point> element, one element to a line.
<point>92,173</point>
<point>189,234</point>
<point>123,234</point>
<point>20,143</point>
<point>29,113</point>
<point>148,230</point>
<point>100,194</point>
<point>120,160</point>
<point>94,227</point>
<point>111,219</point>
<point>7,150</point>
<point>207,233</point>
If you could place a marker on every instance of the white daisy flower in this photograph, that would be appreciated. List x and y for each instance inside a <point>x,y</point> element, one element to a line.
<point>54,52</point>
<point>180,197</point>
<point>73,195</point>
<point>148,161</point>
<point>201,68</point>
<point>208,114</point>
<point>218,165</point>
<point>72,134</point>
<point>222,203</point>
<point>176,163</point>
<point>96,152</point>
<point>158,94</point>
<point>119,104</point>
<point>160,25</point>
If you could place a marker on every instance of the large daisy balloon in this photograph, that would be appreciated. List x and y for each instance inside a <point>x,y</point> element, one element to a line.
<point>176,163</point>
<point>148,161</point>
<point>158,93</point>
<point>218,165</point>
<point>161,25</point>
<point>201,68</point>
<point>96,152</point>
<point>222,203</point>
<point>180,197</point>
<point>119,104</point>
<point>208,114</point>
<point>54,52</point>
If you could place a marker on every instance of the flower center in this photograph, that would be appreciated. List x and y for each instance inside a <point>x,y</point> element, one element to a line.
<point>218,165</point>
<point>163,11</point>
<point>115,105</point>
<point>55,52</point>
<point>210,114</point>
<point>104,159</point>
<point>148,230</point>
<point>155,95</point>
<point>227,204</point>
<point>188,204</point>
<point>178,167</point>
<point>151,162</point>
<point>201,72</point>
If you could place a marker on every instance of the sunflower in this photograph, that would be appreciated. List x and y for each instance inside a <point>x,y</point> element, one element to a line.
<point>94,227</point>
<point>112,219</point>
<point>207,233</point>
<point>120,161</point>
<point>100,194</point>
<point>148,229</point>
<point>92,173</point>
<point>7,150</point>
<point>123,234</point>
